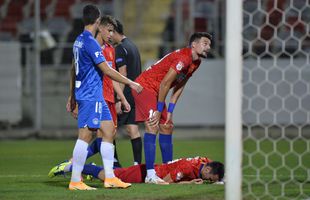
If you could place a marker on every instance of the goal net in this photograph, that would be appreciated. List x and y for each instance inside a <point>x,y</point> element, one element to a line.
<point>276,99</point>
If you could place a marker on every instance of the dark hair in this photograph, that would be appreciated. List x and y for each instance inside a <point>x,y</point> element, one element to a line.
<point>198,35</point>
<point>90,14</point>
<point>119,27</point>
<point>217,168</point>
<point>108,19</point>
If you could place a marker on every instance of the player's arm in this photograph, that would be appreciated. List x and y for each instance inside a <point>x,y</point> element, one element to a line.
<point>177,91</point>
<point>116,76</point>
<point>121,96</point>
<point>165,84</point>
<point>163,91</point>
<point>71,98</point>
<point>123,71</point>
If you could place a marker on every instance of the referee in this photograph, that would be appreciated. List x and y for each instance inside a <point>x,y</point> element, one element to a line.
<point>128,63</point>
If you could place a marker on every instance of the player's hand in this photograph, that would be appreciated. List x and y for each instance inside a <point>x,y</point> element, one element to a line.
<point>74,113</point>
<point>126,105</point>
<point>71,104</point>
<point>154,119</point>
<point>136,86</point>
<point>197,181</point>
<point>118,107</point>
<point>71,107</point>
<point>169,118</point>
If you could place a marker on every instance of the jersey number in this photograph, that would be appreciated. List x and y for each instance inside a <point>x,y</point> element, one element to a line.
<point>76,63</point>
<point>76,60</point>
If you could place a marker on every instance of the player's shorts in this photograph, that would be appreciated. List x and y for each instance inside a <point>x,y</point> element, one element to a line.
<point>146,104</point>
<point>91,113</point>
<point>127,118</point>
<point>133,174</point>
<point>112,109</point>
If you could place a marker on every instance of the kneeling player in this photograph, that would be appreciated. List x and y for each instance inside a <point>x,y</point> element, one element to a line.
<point>184,170</point>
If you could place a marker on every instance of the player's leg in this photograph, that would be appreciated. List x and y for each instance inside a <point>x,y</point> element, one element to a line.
<point>94,147</point>
<point>136,142</point>
<point>107,131</point>
<point>133,131</point>
<point>146,104</point>
<point>113,112</point>
<point>165,138</point>
<point>88,119</point>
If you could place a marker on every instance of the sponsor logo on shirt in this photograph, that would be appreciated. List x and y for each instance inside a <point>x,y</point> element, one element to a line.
<point>98,53</point>
<point>179,66</point>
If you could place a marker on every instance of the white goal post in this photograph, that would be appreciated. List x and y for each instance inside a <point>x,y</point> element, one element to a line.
<point>233,118</point>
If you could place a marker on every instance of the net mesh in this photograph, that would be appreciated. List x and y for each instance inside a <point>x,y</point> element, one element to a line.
<point>276,99</point>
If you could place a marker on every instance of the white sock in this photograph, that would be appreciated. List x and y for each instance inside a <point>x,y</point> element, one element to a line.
<point>78,160</point>
<point>107,154</point>
<point>150,173</point>
<point>135,163</point>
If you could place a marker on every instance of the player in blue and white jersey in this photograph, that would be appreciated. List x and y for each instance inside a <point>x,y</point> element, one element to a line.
<point>93,112</point>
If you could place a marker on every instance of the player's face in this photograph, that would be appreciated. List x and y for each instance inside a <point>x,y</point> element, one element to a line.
<point>106,32</point>
<point>202,47</point>
<point>207,175</point>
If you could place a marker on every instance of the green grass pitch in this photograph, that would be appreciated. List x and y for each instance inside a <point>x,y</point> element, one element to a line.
<point>24,166</point>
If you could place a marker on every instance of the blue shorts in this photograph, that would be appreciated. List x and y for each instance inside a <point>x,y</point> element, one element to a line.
<point>91,113</point>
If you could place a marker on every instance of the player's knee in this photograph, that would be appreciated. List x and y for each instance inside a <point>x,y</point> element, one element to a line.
<point>166,128</point>
<point>151,129</point>
<point>133,132</point>
<point>85,137</point>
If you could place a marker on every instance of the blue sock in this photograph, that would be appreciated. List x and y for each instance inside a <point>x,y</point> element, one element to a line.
<point>90,170</point>
<point>94,147</point>
<point>166,147</point>
<point>149,150</point>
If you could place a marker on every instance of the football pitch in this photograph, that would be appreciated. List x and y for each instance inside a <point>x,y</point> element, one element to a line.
<point>25,163</point>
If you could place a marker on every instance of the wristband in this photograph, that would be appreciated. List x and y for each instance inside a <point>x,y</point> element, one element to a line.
<point>171,107</point>
<point>160,106</point>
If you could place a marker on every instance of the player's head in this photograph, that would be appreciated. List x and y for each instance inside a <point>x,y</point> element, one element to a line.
<point>106,27</point>
<point>119,33</point>
<point>213,171</point>
<point>200,43</point>
<point>119,27</point>
<point>91,15</point>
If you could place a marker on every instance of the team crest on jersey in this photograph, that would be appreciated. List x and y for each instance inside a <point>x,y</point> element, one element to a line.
<point>95,121</point>
<point>179,176</point>
<point>179,66</point>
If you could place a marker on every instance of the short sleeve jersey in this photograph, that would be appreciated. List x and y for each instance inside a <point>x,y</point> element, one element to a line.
<point>184,169</point>
<point>88,81</point>
<point>108,91</point>
<point>180,60</point>
<point>127,54</point>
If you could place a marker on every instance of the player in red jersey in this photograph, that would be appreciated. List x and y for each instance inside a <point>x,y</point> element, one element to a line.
<point>172,71</point>
<point>184,170</point>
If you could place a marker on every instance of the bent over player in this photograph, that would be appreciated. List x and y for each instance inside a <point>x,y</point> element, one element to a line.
<point>172,71</point>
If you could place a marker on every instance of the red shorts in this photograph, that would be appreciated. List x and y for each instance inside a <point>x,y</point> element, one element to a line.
<point>133,174</point>
<point>146,103</point>
<point>113,112</point>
